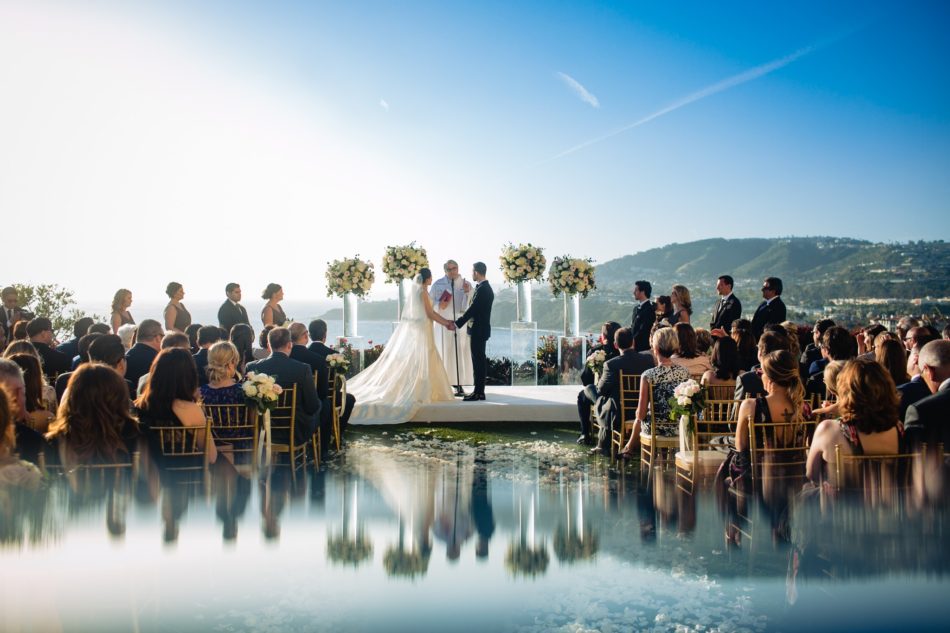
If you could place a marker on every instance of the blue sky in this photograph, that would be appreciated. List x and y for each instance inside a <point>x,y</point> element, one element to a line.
<point>363,124</point>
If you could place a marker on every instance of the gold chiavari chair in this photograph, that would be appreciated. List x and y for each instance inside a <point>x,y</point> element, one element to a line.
<point>283,422</point>
<point>650,445</point>
<point>183,447</point>
<point>629,401</point>
<point>338,402</point>
<point>236,425</point>
<point>707,448</point>
<point>879,478</point>
<point>778,451</point>
<point>720,392</point>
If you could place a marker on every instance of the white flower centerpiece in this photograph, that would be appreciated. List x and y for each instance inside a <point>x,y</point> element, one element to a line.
<point>519,265</point>
<point>350,278</point>
<point>339,363</point>
<point>596,360</point>
<point>574,278</point>
<point>688,400</point>
<point>400,264</point>
<point>262,392</point>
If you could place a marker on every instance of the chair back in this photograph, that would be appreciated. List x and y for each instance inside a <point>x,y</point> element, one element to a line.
<point>777,449</point>
<point>183,447</point>
<point>283,417</point>
<point>720,392</point>
<point>235,424</point>
<point>880,478</point>
<point>629,396</point>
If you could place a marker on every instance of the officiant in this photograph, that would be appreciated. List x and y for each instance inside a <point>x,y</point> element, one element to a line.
<point>450,296</point>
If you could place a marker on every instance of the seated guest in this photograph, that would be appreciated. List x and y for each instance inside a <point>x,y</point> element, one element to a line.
<point>120,310</point>
<point>664,309</point>
<point>914,341</point>
<point>177,340</point>
<point>836,344</point>
<point>704,341</point>
<point>318,345</point>
<point>606,394</point>
<point>905,325</point>
<point>83,357</point>
<point>30,444</point>
<point>291,373</point>
<point>928,420</point>
<point>682,304</point>
<point>263,351</point>
<point>320,369</point>
<point>192,333</point>
<point>812,351</point>
<point>584,401</point>
<point>828,408</point>
<point>866,340</point>
<point>794,343</point>
<point>14,472</point>
<point>721,378</point>
<point>231,312</point>
<point>126,334</point>
<point>40,331</point>
<point>21,347</point>
<point>893,357</point>
<point>40,397</point>
<point>868,424</point>
<point>663,379</point>
<point>242,336</point>
<point>688,355</point>
<point>746,344</point>
<point>148,342</point>
<point>108,350</point>
<point>20,331</point>
<point>273,314</point>
<point>94,425</point>
<point>71,347</point>
<point>169,398</point>
<point>223,386</point>
<point>749,384</point>
<point>208,335</point>
<point>176,315</point>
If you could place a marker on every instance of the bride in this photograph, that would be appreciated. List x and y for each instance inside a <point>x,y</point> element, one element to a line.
<point>409,372</point>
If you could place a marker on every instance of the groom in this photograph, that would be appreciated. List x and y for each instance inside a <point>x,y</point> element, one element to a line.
<point>479,312</point>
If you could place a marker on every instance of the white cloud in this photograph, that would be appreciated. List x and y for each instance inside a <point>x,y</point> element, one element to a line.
<point>384,104</point>
<point>582,93</point>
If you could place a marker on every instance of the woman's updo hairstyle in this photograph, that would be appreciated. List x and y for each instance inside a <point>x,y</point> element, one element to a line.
<point>424,275</point>
<point>270,291</point>
<point>172,289</point>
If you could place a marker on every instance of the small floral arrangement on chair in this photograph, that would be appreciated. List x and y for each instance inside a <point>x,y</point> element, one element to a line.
<point>261,391</point>
<point>340,363</point>
<point>596,360</point>
<point>688,399</point>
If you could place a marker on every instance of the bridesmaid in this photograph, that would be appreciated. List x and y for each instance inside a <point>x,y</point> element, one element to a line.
<point>273,314</point>
<point>177,317</point>
<point>120,309</point>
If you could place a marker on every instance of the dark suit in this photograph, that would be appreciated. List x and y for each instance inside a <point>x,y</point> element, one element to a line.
<point>726,311</point>
<point>201,364</point>
<point>911,393</point>
<point>607,406</point>
<point>479,313</point>
<point>586,396</point>
<point>291,373</point>
<point>767,314</point>
<point>230,314</point>
<point>749,385</point>
<point>644,316</point>
<point>138,362</point>
<point>9,320</point>
<point>53,362</point>
<point>70,348</point>
<point>321,350</point>
<point>318,365</point>
<point>928,420</point>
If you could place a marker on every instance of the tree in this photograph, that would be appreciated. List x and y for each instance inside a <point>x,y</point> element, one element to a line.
<point>54,302</point>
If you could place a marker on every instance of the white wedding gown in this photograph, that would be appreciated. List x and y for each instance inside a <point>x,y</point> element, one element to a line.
<point>408,374</point>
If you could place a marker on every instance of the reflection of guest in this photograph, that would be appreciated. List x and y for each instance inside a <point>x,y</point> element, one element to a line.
<point>232,494</point>
<point>482,513</point>
<point>275,491</point>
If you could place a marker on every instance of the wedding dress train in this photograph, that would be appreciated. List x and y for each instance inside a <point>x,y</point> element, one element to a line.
<point>408,374</point>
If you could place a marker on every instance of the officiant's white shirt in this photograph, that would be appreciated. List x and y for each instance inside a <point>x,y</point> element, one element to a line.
<point>444,339</point>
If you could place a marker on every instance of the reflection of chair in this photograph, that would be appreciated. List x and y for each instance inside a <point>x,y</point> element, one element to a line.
<point>629,400</point>
<point>707,452</point>
<point>880,478</point>
<point>337,402</point>
<point>283,422</point>
<point>777,450</point>
<point>651,444</point>
<point>234,424</point>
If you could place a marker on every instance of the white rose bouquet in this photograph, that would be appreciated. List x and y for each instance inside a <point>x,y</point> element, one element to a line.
<point>349,275</point>
<point>523,262</point>
<point>338,363</point>
<point>261,391</point>
<point>571,276</point>
<point>404,262</point>
<point>689,398</point>
<point>596,360</point>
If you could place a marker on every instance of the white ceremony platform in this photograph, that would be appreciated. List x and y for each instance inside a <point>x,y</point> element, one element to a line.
<point>508,404</point>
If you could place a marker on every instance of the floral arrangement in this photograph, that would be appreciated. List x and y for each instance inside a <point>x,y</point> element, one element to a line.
<point>349,275</point>
<point>261,391</point>
<point>572,276</point>
<point>689,398</point>
<point>596,360</point>
<point>349,551</point>
<point>338,362</point>
<point>523,262</point>
<point>404,262</point>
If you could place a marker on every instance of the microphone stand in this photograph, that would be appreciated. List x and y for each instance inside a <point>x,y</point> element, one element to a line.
<point>458,380</point>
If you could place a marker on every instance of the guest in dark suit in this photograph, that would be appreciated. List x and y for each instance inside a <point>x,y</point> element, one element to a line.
<point>928,420</point>
<point>772,310</point>
<point>318,338</point>
<point>911,392</point>
<point>11,312</point>
<point>606,394</point>
<point>812,351</point>
<point>320,374</point>
<point>80,329</point>
<point>148,342</point>
<point>231,311</point>
<point>727,309</point>
<point>836,344</point>
<point>63,379</point>
<point>108,349</point>
<point>40,331</point>
<point>208,335</point>
<point>607,333</point>
<point>291,373</point>
<point>479,313</point>
<point>644,315</point>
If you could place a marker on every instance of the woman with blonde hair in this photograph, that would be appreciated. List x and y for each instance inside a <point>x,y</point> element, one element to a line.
<point>794,343</point>
<point>829,408</point>
<point>682,304</point>
<point>224,386</point>
<point>120,309</point>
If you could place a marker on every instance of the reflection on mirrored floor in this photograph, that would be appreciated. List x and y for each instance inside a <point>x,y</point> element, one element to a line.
<point>407,532</point>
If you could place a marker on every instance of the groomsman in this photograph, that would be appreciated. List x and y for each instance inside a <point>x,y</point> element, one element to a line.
<point>479,313</point>
<point>772,310</point>
<point>231,311</point>
<point>727,309</point>
<point>644,315</point>
<point>11,312</point>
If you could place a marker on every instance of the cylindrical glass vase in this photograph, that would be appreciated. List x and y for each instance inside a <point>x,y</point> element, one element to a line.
<point>572,315</point>
<point>403,299</point>
<point>523,302</point>
<point>350,303</point>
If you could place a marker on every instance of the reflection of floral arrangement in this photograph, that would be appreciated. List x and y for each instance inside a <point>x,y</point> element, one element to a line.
<point>338,363</point>
<point>341,549</point>
<point>404,262</point>
<point>521,559</point>
<point>596,360</point>
<point>261,391</point>
<point>349,275</point>
<point>688,399</point>
<point>399,562</point>
<point>569,547</point>
<point>572,276</point>
<point>523,262</point>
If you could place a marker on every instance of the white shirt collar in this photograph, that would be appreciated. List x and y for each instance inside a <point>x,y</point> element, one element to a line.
<point>642,303</point>
<point>233,302</point>
<point>723,299</point>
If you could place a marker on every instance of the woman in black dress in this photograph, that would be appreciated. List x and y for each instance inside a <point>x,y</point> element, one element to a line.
<point>120,309</point>
<point>273,314</point>
<point>177,317</point>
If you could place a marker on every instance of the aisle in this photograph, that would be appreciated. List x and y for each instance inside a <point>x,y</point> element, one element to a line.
<point>508,404</point>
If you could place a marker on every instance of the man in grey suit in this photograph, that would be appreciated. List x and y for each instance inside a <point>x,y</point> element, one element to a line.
<point>606,395</point>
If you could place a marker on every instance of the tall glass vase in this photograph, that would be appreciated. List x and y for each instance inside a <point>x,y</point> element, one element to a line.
<point>403,299</point>
<point>523,302</point>
<point>350,303</point>
<point>572,315</point>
